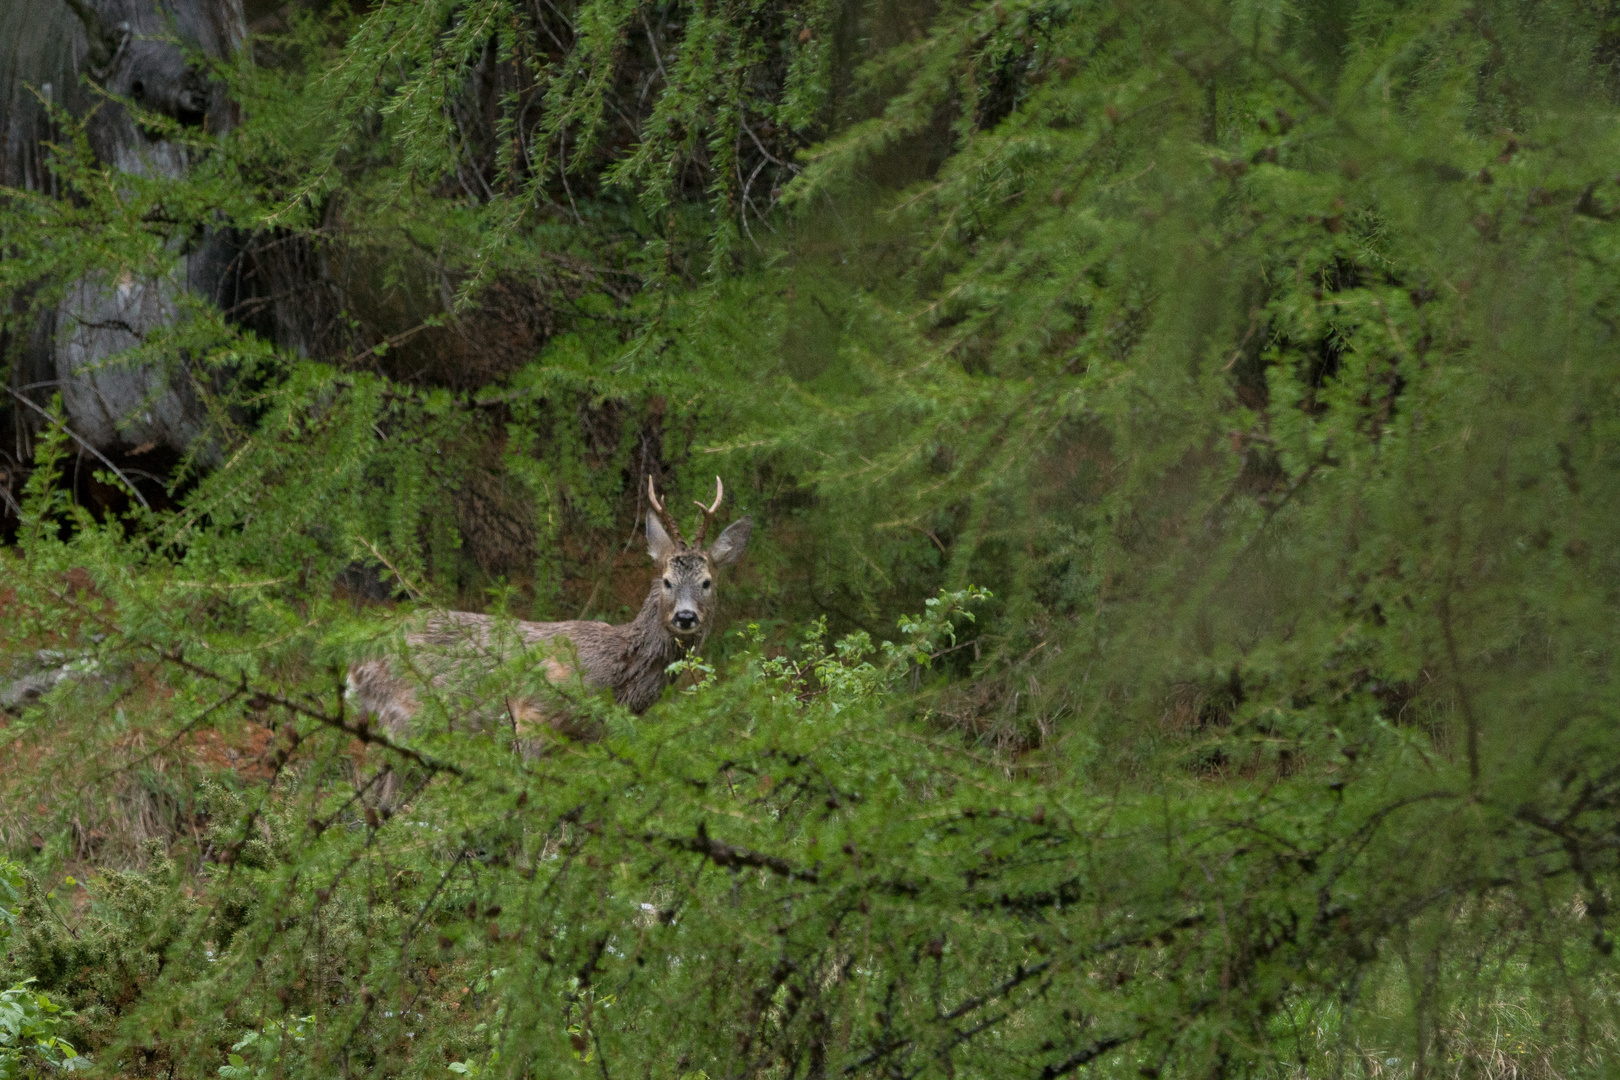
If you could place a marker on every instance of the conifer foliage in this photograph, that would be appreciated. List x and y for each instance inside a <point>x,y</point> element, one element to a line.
<point>1179,638</point>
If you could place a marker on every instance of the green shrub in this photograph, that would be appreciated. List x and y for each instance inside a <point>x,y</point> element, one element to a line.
<point>30,1021</point>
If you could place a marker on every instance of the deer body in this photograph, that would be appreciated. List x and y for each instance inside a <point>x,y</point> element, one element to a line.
<point>630,659</point>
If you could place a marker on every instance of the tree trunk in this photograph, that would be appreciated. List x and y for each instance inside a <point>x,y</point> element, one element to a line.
<point>71,54</point>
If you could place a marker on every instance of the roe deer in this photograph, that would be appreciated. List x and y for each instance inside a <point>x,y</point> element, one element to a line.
<point>630,658</point>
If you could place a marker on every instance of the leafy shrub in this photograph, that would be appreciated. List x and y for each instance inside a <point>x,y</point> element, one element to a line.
<point>30,1021</point>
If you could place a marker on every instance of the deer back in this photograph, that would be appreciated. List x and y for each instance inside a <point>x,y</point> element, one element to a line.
<point>628,659</point>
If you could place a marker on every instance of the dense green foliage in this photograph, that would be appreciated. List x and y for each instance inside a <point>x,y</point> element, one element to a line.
<point>1258,358</point>
<point>29,1020</point>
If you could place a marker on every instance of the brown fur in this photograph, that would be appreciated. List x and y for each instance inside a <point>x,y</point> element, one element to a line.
<point>630,659</point>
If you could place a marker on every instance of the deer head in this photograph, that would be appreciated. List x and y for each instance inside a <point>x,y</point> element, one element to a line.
<point>686,572</point>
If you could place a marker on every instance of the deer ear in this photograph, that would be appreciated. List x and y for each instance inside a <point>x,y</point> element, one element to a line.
<point>728,548</point>
<point>659,545</point>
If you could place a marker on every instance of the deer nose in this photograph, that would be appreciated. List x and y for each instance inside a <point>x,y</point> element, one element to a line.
<point>685,620</point>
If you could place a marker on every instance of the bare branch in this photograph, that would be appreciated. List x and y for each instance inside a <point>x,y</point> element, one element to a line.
<point>133,490</point>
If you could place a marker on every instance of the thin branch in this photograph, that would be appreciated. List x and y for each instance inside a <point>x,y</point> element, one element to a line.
<point>652,42</point>
<point>359,731</point>
<point>1470,721</point>
<point>185,728</point>
<point>725,855</point>
<point>789,167</point>
<point>1086,1056</point>
<point>133,490</point>
<point>416,594</point>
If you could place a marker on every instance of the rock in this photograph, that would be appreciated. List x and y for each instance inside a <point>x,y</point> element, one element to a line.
<point>37,676</point>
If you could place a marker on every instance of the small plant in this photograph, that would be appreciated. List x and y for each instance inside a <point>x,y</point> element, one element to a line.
<point>257,1053</point>
<point>846,673</point>
<point>582,1007</point>
<point>695,665</point>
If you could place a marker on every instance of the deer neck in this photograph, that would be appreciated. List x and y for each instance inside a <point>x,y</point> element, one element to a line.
<point>649,649</point>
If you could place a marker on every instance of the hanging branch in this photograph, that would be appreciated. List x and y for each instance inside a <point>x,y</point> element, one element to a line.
<point>97,454</point>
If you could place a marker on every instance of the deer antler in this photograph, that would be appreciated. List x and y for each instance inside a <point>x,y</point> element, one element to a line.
<point>708,511</point>
<point>664,515</point>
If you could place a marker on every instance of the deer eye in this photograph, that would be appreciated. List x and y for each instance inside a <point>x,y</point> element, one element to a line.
<point>706,584</point>
<point>668,584</point>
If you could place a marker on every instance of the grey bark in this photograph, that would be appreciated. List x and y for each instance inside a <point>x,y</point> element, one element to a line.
<point>72,54</point>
